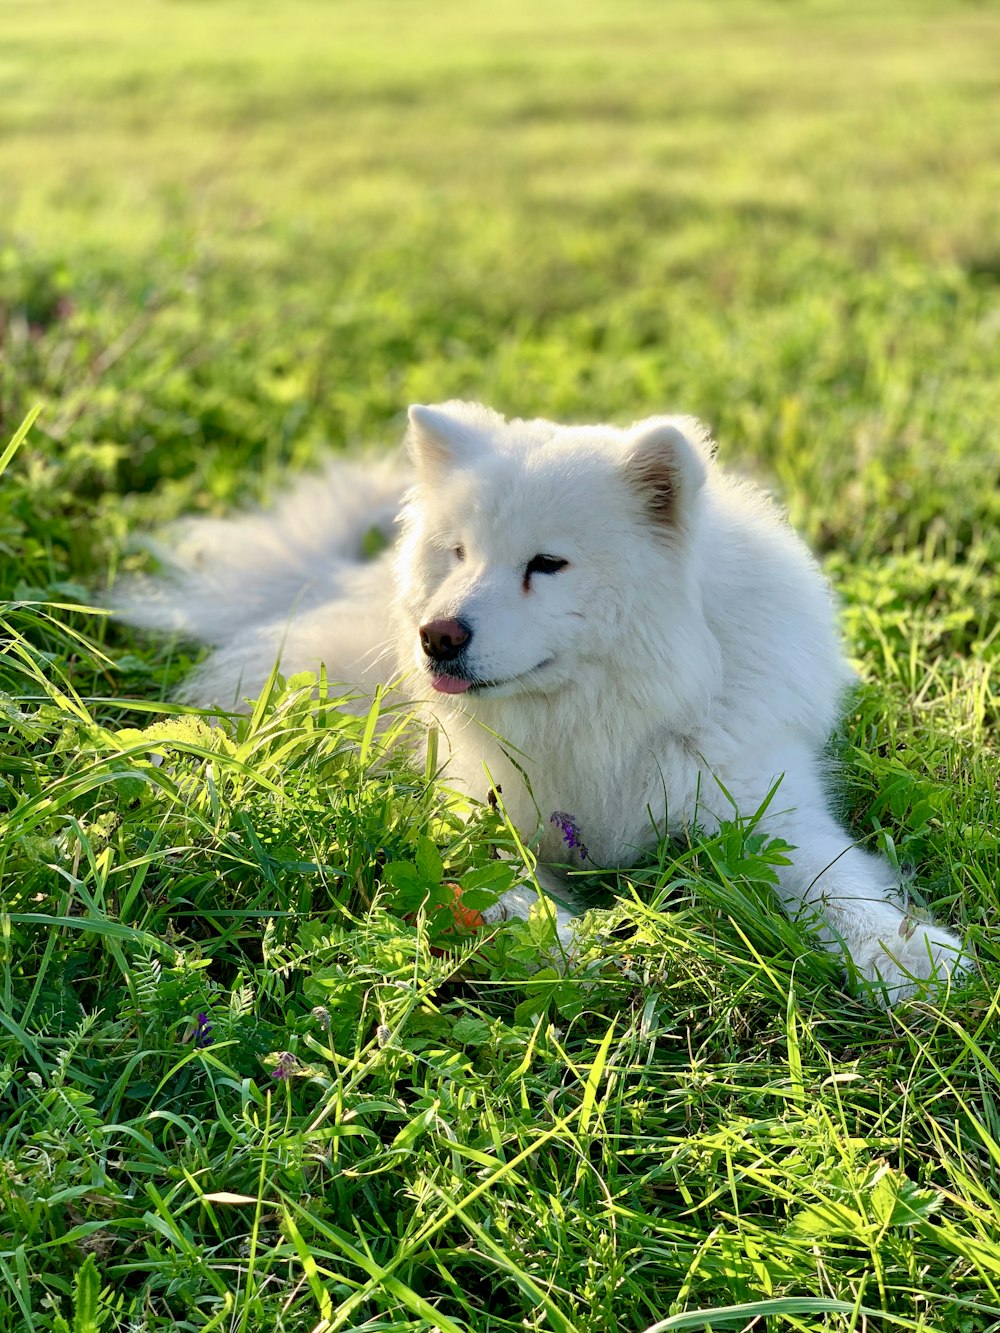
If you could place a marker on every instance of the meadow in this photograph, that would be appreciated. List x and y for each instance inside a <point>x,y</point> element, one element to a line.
<point>251,1078</point>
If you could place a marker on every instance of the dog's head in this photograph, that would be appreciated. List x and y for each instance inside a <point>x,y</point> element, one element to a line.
<point>533,552</point>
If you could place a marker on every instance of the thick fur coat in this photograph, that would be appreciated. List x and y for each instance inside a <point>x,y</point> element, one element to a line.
<point>644,634</point>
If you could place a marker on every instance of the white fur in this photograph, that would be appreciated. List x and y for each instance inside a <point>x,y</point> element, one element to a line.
<point>684,661</point>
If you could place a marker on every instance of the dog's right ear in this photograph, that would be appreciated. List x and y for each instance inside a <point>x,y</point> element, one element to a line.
<point>439,441</point>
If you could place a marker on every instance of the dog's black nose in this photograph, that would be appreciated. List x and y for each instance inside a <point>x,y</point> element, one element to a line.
<point>443,640</point>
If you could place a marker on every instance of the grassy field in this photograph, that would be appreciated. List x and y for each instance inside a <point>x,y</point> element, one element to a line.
<point>244,1086</point>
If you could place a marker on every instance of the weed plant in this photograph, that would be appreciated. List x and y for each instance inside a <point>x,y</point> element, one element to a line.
<point>254,1076</point>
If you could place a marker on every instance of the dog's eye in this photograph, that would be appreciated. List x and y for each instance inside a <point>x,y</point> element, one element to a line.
<point>543,564</point>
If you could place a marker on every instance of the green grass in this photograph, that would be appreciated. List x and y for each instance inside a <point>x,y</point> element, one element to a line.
<point>235,235</point>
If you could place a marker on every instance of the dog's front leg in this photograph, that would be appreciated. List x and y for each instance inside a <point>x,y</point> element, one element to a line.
<point>518,902</point>
<point>855,898</point>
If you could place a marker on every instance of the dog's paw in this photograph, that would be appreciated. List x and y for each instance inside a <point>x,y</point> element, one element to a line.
<point>918,958</point>
<point>519,904</point>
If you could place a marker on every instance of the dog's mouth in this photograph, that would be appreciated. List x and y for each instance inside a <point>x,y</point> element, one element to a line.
<point>450,684</point>
<point>447,682</point>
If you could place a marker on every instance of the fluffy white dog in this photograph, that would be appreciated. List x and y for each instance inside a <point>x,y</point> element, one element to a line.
<point>644,635</point>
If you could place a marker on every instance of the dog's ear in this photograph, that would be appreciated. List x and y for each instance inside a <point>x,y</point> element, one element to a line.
<point>665,463</point>
<point>439,439</point>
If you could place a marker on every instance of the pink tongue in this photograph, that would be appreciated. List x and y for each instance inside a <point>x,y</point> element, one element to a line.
<point>450,684</point>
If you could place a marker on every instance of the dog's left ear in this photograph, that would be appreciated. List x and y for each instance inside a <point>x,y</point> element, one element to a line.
<point>665,463</point>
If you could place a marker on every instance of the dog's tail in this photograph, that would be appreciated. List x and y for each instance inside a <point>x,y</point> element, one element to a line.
<point>221,580</point>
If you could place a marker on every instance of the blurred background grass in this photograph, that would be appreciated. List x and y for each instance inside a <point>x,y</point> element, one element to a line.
<point>233,233</point>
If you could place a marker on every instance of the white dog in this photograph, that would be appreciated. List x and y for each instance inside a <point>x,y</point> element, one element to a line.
<point>645,636</point>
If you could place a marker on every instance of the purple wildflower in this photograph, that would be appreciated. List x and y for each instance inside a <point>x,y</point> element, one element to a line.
<point>202,1032</point>
<point>567,826</point>
<point>286,1066</point>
